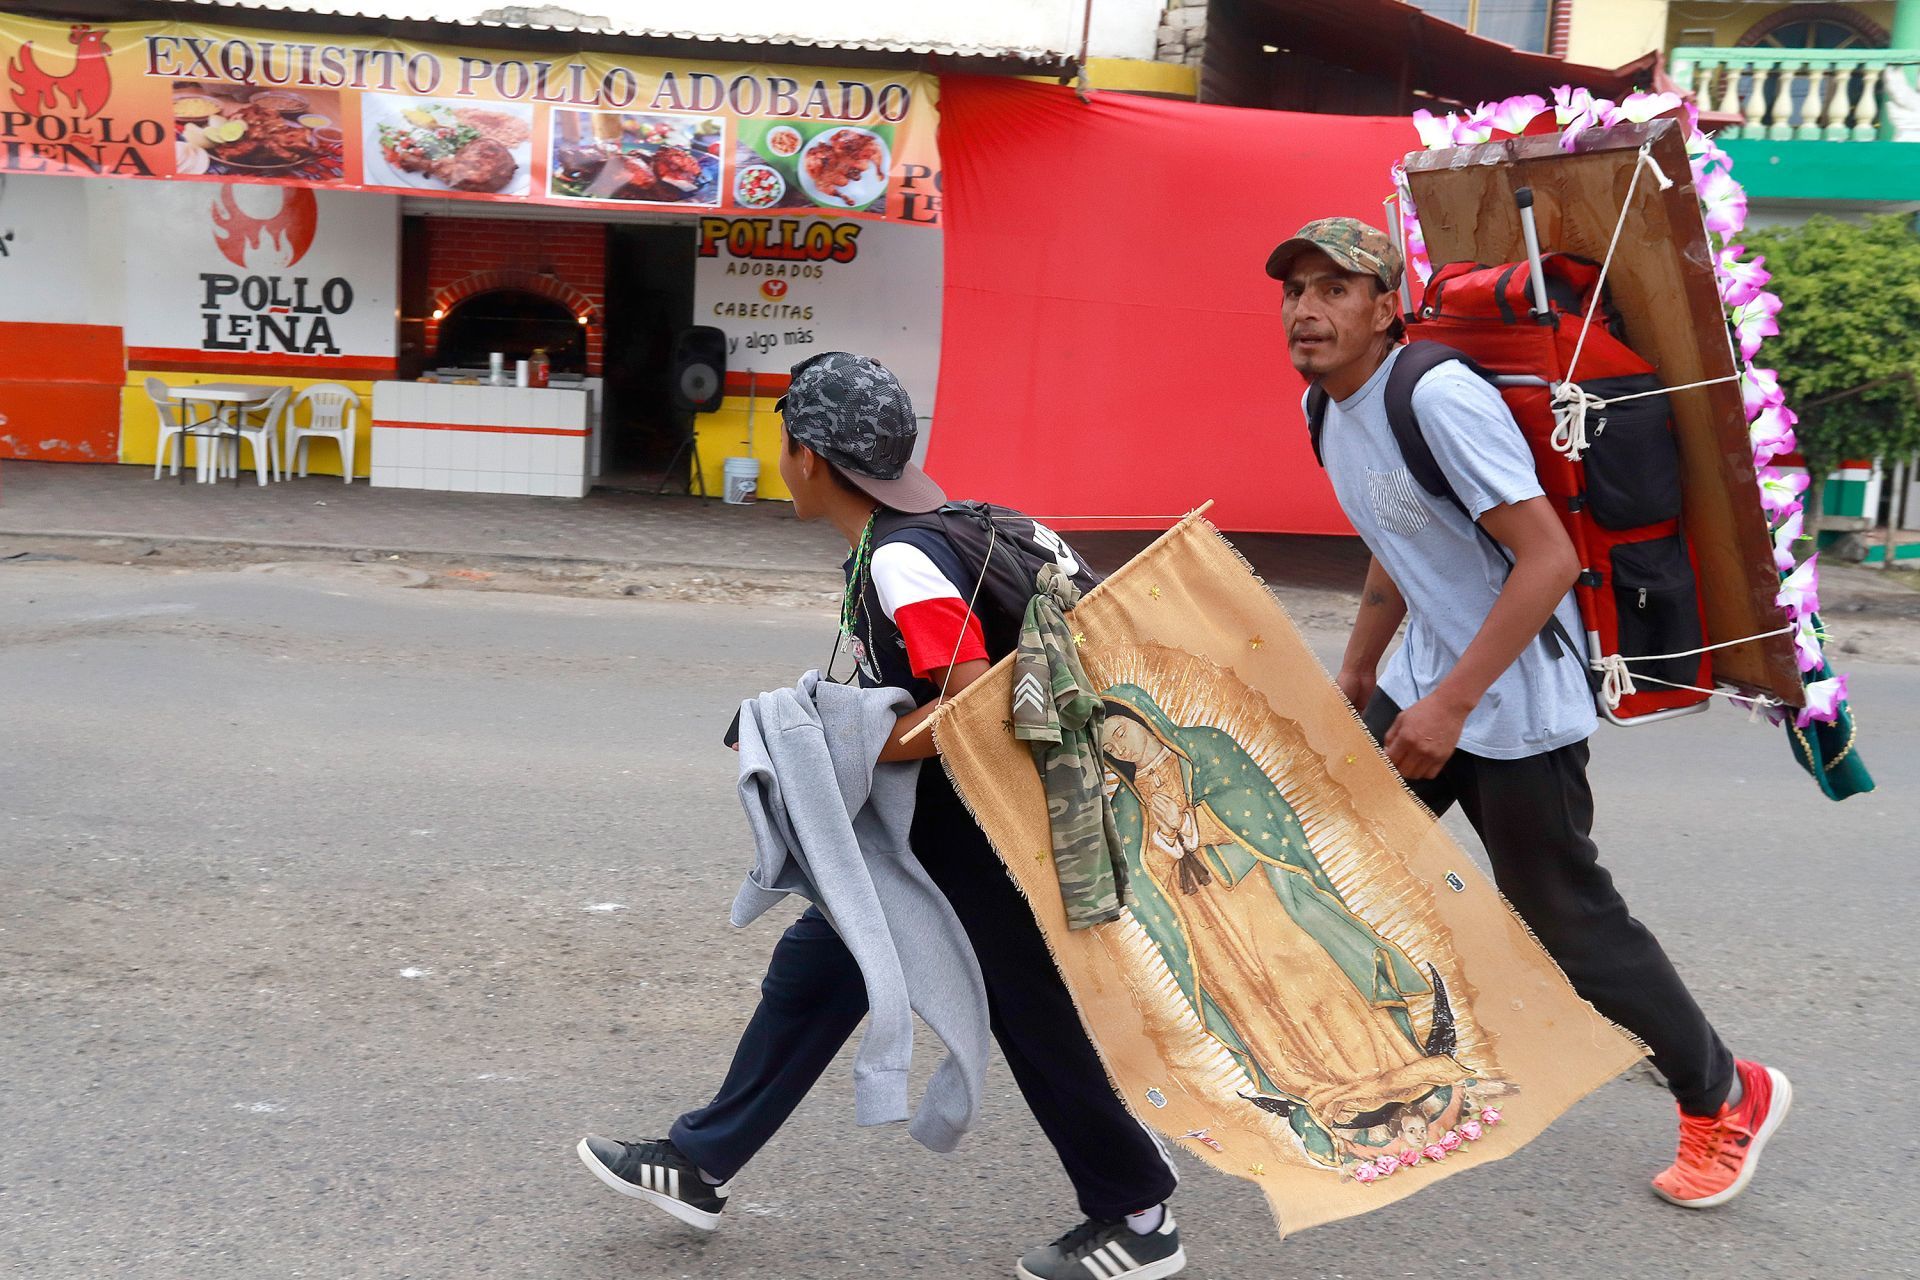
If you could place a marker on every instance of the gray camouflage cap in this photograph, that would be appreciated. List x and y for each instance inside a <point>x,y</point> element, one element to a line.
<point>853,412</point>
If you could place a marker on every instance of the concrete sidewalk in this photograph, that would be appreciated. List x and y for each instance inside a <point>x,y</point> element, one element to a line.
<point>41,499</point>
<point>686,547</point>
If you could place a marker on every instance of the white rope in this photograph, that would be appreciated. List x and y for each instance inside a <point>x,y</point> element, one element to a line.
<point>1756,703</point>
<point>1571,404</point>
<point>993,535</point>
<point>1616,682</point>
<point>1617,678</point>
<point>1663,391</point>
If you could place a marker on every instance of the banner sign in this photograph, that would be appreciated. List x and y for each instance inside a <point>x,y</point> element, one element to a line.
<point>170,100</point>
<point>783,289</point>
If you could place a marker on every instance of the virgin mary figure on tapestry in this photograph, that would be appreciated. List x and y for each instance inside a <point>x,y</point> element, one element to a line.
<point>1314,1005</point>
<point>1312,988</point>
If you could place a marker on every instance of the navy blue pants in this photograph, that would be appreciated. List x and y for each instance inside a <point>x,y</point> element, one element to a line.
<point>1534,816</point>
<point>813,998</point>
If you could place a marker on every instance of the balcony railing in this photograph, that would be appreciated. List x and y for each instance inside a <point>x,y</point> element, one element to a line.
<point>1833,95</point>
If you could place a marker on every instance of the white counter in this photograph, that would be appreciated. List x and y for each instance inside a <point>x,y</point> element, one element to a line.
<point>481,439</point>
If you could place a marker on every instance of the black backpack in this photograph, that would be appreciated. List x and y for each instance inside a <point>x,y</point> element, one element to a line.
<point>1003,551</point>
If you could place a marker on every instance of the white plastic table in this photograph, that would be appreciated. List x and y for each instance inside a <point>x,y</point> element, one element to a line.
<point>219,398</point>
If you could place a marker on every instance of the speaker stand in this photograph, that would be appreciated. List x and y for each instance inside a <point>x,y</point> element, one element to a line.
<point>689,446</point>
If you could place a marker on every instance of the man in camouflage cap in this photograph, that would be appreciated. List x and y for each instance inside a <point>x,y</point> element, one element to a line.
<point>913,617</point>
<point>1486,703</point>
<point>1357,250</point>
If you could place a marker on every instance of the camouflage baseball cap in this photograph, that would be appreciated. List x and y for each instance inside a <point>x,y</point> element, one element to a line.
<point>1351,243</point>
<point>853,412</point>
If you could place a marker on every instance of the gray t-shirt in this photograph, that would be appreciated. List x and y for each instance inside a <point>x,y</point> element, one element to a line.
<point>1445,568</point>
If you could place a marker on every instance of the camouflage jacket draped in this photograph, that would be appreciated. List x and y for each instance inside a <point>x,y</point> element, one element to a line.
<point>1058,713</point>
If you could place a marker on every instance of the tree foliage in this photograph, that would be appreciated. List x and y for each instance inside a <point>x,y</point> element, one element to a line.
<point>1849,316</point>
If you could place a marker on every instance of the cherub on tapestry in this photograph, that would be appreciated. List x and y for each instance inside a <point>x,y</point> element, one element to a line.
<point>1363,1045</point>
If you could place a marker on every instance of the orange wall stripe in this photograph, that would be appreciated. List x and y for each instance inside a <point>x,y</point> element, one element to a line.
<point>266,364</point>
<point>763,384</point>
<point>60,421</point>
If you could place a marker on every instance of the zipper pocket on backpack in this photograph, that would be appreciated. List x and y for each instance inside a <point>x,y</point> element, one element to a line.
<point>1632,462</point>
<point>1658,606</point>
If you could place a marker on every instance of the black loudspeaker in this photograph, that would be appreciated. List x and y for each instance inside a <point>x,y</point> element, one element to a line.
<point>699,369</point>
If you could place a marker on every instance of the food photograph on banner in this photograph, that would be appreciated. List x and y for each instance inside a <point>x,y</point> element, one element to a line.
<point>443,146</point>
<point>223,129</point>
<point>840,168</point>
<point>636,158</point>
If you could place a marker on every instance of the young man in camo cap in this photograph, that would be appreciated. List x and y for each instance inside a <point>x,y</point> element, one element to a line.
<point>849,440</point>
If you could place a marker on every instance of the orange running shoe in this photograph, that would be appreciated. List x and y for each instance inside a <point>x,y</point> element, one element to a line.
<point>1719,1153</point>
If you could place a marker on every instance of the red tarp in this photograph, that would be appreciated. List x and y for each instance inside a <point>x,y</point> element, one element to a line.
<point>1111,342</point>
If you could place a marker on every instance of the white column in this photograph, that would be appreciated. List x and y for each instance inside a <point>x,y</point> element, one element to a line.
<point>1866,112</point>
<point>1815,103</point>
<point>1730,97</point>
<point>1757,101</point>
<point>1781,115</point>
<point>1840,106</point>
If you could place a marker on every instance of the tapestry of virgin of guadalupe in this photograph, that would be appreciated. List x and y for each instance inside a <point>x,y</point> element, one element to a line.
<point>1307,984</point>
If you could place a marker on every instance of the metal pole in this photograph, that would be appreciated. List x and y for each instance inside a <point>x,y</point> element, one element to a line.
<point>1086,40</point>
<point>1524,199</point>
<point>1396,227</point>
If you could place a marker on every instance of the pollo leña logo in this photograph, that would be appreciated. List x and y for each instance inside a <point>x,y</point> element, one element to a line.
<point>264,310</point>
<point>58,124</point>
<point>261,244</point>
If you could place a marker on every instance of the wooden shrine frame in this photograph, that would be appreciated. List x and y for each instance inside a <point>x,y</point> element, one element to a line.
<point>1662,281</point>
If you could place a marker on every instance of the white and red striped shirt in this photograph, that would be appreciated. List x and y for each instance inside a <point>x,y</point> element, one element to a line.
<point>929,610</point>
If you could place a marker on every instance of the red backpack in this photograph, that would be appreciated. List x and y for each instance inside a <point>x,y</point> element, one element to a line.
<point>1612,474</point>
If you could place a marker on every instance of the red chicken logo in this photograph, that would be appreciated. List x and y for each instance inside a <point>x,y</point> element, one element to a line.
<point>86,86</point>
<point>266,244</point>
<point>774,289</point>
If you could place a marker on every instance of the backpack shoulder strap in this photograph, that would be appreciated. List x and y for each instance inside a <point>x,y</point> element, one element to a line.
<point>1416,362</point>
<point>1316,418</point>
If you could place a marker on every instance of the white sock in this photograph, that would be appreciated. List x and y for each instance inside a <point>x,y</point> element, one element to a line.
<point>1147,1221</point>
<point>709,1179</point>
<point>1738,1091</point>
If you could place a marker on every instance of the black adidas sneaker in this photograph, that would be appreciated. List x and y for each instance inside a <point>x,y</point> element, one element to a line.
<point>656,1172</point>
<point>1097,1250</point>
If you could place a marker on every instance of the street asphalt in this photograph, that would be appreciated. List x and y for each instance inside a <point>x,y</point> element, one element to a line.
<point>332,913</point>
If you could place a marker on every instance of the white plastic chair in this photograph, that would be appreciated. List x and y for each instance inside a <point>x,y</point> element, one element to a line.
<point>263,435</point>
<point>173,420</point>
<point>332,410</point>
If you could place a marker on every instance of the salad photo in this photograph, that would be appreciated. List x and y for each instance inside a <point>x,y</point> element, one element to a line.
<point>431,145</point>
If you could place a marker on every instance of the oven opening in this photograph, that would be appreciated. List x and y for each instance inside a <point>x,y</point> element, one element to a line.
<point>516,323</point>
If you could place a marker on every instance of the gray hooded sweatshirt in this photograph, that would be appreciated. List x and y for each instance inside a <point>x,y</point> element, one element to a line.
<point>830,824</point>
